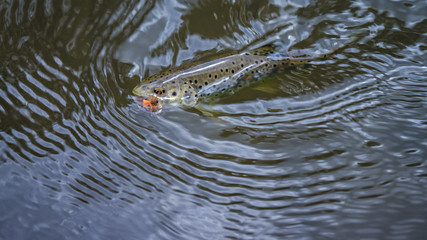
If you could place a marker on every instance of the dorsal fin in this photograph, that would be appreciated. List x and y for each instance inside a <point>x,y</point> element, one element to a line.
<point>264,50</point>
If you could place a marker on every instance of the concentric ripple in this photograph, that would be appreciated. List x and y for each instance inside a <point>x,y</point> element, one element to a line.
<point>332,151</point>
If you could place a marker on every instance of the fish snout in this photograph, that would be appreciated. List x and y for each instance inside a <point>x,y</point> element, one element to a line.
<point>151,103</point>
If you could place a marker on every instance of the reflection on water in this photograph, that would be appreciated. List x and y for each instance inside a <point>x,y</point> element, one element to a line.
<point>337,151</point>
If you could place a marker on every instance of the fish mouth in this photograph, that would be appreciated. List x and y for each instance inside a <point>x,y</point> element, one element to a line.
<point>150,104</point>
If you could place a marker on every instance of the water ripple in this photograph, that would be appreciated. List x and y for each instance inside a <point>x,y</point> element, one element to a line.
<point>336,151</point>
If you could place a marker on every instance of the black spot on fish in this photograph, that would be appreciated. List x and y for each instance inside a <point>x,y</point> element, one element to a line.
<point>174,94</point>
<point>200,87</point>
<point>261,60</point>
<point>210,75</point>
<point>195,95</point>
<point>206,83</point>
<point>226,70</point>
<point>256,62</point>
<point>173,82</point>
<point>266,64</point>
<point>233,62</point>
<point>274,65</point>
<point>191,81</point>
<point>232,71</point>
<point>221,70</point>
<point>242,65</point>
<point>195,81</point>
<point>247,54</point>
<point>216,76</point>
<point>185,82</point>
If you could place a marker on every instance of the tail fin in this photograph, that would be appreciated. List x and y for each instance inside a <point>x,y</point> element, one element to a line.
<point>340,44</point>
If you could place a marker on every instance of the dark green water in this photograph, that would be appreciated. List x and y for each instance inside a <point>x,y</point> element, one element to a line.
<point>338,151</point>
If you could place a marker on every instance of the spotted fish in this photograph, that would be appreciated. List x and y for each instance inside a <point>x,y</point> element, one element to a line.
<point>188,85</point>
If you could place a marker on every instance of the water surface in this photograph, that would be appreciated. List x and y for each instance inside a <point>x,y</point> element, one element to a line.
<point>338,151</point>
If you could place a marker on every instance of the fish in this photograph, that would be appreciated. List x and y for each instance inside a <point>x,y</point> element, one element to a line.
<point>191,84</point>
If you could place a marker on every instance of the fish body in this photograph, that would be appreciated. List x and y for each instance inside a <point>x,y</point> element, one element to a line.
<point>187,85</point>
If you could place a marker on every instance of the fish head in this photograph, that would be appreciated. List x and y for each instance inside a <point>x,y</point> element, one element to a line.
<point>150,96</point>
<point>153,95</point>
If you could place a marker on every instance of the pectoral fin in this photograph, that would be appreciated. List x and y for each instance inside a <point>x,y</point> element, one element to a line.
<point>266,88</point>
